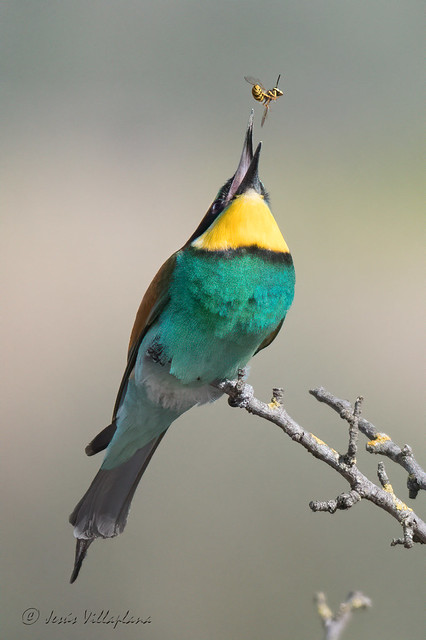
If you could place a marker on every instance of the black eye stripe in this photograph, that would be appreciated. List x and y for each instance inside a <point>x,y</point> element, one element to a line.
<point>214,211</point>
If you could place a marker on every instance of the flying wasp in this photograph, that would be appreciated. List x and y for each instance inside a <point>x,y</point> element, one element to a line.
<point>264,95</point>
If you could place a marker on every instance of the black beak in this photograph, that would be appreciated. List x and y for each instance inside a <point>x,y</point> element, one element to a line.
<point>246,177</point>
<point>245,160</point>
<point>251,178</point>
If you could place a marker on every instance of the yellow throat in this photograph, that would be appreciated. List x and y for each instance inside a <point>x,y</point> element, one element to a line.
<point>247,222</point>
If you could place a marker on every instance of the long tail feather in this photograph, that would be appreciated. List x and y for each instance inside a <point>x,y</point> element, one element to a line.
<point>102,512</point>
<point>80,554</point>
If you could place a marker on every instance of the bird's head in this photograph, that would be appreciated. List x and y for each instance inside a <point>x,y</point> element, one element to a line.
<point>245,178</point>
<point>240,215</point>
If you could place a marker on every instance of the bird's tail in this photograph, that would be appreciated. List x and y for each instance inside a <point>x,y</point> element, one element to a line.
<point>102,511</point>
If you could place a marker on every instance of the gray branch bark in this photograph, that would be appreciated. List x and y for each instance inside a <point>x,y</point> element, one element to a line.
<point>334,625</point>
<point>361,488</point>
<point>379,442</point>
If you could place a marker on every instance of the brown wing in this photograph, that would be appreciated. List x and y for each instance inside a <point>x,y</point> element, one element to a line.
<point>153,302</point>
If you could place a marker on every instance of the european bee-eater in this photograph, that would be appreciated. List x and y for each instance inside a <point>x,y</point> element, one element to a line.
<point>213,304</point>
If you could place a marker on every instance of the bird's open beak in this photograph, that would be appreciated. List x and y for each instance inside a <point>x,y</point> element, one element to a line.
<point>251,177</point>
<point>246,175</point>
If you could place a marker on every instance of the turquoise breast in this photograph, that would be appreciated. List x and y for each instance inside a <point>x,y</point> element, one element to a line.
<point>222,306</point>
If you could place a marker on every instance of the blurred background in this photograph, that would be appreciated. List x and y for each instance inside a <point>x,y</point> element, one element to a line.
<point>119,122</point>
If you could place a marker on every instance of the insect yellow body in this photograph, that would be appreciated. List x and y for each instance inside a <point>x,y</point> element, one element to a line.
<point>261,94</point>
<point>258,93</point>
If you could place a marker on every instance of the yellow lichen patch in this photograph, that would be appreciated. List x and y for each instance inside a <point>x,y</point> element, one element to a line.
<point>274,404</point>
<point>322,443</point>
<point>324,611</point>
<point>379,439</point>
<point>401,506</point>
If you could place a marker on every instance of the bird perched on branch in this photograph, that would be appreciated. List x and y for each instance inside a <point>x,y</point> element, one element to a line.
<point>213,304</point>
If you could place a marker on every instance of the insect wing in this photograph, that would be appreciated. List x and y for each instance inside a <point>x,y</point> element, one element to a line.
<point>254,81</point>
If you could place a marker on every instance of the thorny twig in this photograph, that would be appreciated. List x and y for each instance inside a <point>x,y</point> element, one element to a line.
<point>335,624</point>
<point>414,528</point>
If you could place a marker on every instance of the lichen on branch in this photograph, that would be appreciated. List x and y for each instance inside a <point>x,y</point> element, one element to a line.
<point>382,495</point>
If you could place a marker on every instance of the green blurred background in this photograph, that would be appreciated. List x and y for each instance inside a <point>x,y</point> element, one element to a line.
<point>120,120</point>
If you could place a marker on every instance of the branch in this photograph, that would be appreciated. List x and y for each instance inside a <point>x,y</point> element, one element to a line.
<point>335,624</point>
<point>379,442</point>
<point>361,488</point>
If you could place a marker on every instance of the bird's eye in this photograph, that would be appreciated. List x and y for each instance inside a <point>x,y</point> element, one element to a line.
<point>217,206</point>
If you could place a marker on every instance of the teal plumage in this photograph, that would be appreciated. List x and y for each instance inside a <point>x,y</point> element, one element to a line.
<point>220,308</point>
<point>213,305</point>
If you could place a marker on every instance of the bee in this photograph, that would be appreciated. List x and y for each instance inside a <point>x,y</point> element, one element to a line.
<point>264,95</point>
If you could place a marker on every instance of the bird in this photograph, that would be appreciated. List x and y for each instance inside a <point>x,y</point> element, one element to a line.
<point>215,303</point>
